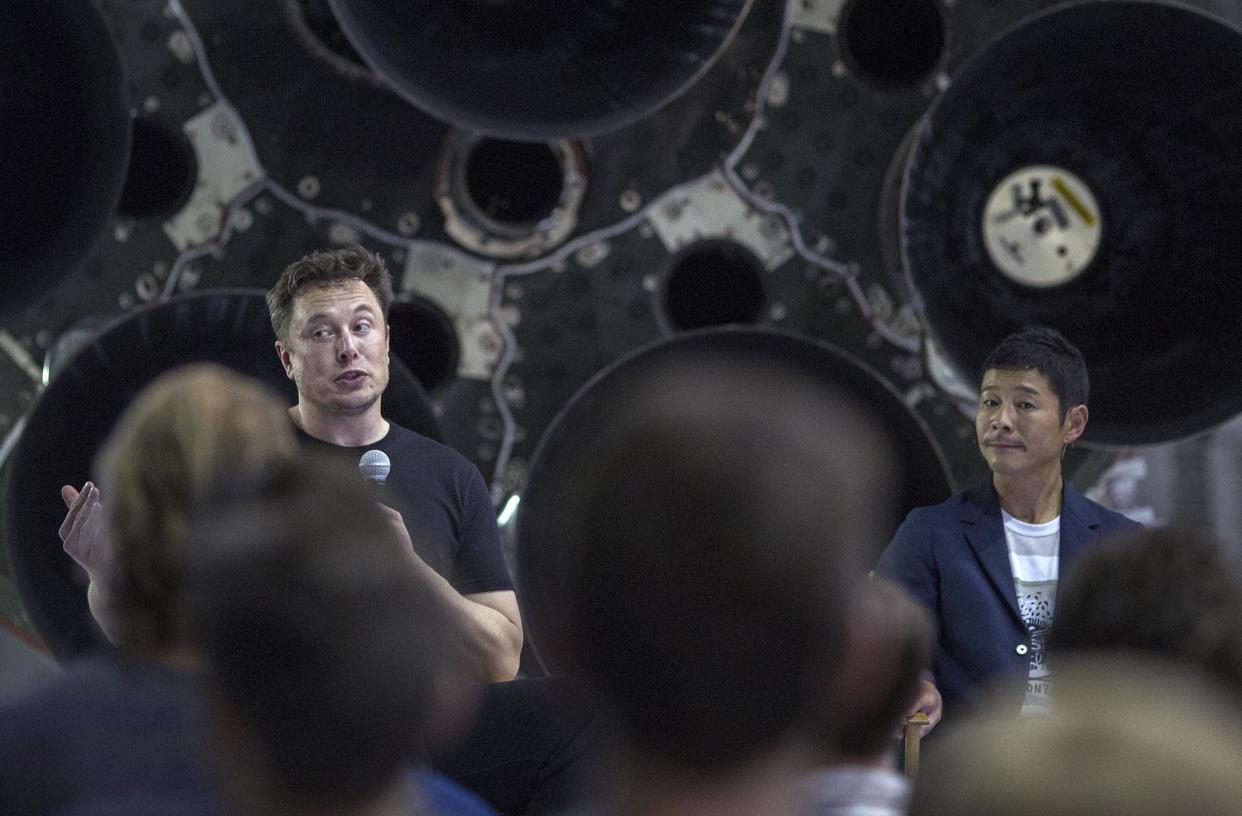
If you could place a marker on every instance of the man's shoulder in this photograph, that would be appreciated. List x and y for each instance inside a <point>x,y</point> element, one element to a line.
<point>407,446</point>
<point>948,510</point>
<point>401,435</point>
<point>401,439</point>
<point>919,533</point>
<point>98,687</point>
<point>1095,513</point>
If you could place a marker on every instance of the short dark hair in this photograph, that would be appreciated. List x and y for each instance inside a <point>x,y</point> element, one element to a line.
<point>1046,351</point>
<point>325,268</point>
<point>316,629</point>
<point>1165,592</point>
<point>856,728</point>
<point>711,535</point>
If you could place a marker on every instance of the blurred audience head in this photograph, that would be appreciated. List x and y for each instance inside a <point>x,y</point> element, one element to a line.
<point>1164,592</point>
<point>709,539</point>
<point>322,644</point>
<point>186,430</point>
<point>1127,738</point>
<point>891,638</point>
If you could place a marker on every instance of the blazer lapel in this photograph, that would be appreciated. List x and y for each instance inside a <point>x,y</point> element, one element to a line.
<point>981,523</point>
<point>1080,523</point>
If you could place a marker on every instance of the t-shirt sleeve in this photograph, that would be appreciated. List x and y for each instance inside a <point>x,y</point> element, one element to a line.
<point>480,564</point>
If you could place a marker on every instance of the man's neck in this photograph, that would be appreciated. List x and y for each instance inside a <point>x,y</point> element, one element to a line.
<point>346,430</point>
<point>1035,500</point>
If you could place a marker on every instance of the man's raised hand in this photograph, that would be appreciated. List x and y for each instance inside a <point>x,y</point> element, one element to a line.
<point>82,530</point>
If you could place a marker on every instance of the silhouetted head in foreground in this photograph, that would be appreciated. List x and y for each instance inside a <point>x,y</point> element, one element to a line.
<point>185,431</point>
<point>1170,593</point>
<point>708,543</point>
<point>1127,738</point>
<point>321,642</point>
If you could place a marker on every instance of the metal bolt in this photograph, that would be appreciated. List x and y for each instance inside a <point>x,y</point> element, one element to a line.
<point>308,187</point>
<point>408,223</point>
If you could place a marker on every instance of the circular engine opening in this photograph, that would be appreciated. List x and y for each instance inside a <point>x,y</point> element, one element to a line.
<point>1081,171</point>
<point>67,131</point>
<point>507,199</point>
<point>424,338</point>
<point>543,70</point>
<point>321,34</point>
<point>163,170</point>
<point>513,184</point>
<point>893,42</point>
<point>714,283</point>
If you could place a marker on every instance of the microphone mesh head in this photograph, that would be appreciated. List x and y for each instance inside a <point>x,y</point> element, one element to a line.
<point>375,466</point>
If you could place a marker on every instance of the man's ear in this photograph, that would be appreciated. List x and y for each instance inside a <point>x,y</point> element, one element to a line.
<point>285,360</point>
<point>1075,423</point>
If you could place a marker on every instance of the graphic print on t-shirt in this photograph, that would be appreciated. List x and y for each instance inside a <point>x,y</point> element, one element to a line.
<point>1034,558</point>
<point>1036,600</point>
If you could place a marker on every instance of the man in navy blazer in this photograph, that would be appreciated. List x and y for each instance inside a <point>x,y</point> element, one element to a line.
<point>986,562</point>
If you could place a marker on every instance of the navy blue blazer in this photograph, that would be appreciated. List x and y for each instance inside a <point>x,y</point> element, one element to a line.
<point>953,557</point>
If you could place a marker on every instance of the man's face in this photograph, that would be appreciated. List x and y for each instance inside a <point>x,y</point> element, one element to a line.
<point>1019,426</point>
<point>337,352</point>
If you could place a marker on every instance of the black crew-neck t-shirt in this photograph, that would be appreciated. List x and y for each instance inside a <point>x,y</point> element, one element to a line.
<point>445,504</point>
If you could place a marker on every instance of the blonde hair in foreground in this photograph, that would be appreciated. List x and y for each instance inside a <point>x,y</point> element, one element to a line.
<point>189,428</point>
<point>1127,737</point>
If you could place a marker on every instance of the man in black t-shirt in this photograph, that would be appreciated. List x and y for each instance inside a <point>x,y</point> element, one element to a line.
<point>329,311</point>
<point>330,314</point>
<point>444,504</point>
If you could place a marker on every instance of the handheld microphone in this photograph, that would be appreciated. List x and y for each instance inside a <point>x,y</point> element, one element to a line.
<point>375,466</point>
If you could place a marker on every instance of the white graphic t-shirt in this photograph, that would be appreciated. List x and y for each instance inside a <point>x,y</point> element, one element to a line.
<point>1034,557</point>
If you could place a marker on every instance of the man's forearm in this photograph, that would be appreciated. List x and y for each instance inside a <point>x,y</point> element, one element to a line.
<point>492,643</point>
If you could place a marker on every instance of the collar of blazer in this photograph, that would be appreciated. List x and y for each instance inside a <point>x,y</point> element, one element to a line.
<point>982,526</point>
